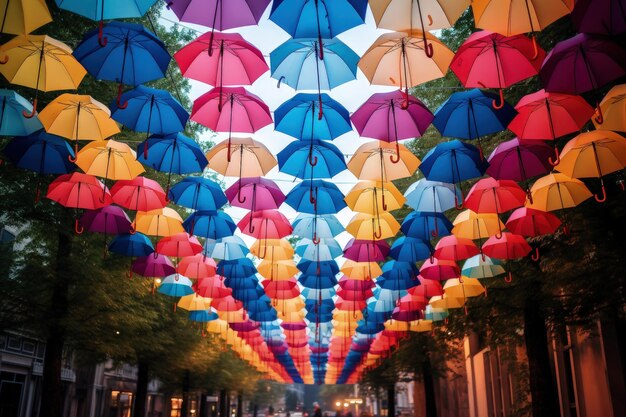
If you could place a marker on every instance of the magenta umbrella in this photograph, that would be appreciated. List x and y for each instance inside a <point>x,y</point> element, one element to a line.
<point>366,250</point>
<point>231,109</point>
<point>255,194</point>
<point>604,17</point>
<point>153,266</point>
<point>110,220</point>
<point>391,117</point>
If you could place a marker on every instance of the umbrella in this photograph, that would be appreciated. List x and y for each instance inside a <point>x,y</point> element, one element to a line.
<point>210,224</point>
<point>557,192</point>
<point>509,246</point>
<point>22,17</point>
<point>12,122</point>
<point>176,285</point>
<point>471,225</point>
<point>489,195</point>
<point>106,220</point>
<point>158,222</point>
<point>530,222</point>
<point>284,289</point>
<point>278,249</point>
<point>463,288</point>
<point>362,271</point>
<point>453,162</point>
<point>212,287</point>
<point>613,107</point>
<point>472,114</point>
<point>366,250</point>
<point>109,159</point>
<point>265,224</point>
<point>454,248</point>
<point>106,9</point>
<point>325,250</point>
<point>81,191</point>
<point>198,193</point>
<point>370,162</point>
<point>219,14</point>
<point>150,110</point>
<point>311,159</point>
<point>439,269</point>
<point>481,266</point>
<point>433,196</point>
<point>410,249</point>
<point>604,17</point>
<point>203,316</point>
<point>367,226</point>
<point>548,116</point>
<point>391,117</point>
<point>194,302</point>
<point>132,245</point>
<point>151,266</point>
<point>255,194</point>
<point>277,269</point>
<point>243,112</point>
<point>583,63</point>
<point>228,248</point>
<point>316,226</point>
<point>126,53</point>
<point>248,158</point>
<point>179,245</point>
<point>237,62</point>
<point>299,117</point>
<point>41,63</point>
<point>405,60</point>
<point>593,155</point>
<point>373,196</point>
<point>491,60</point>
<point>426,225</point>
<point>139,194</point>
<point>316,197</point>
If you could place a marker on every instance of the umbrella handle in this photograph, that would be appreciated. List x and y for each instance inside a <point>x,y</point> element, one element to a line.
<point>482,255</point>
<point>620,184</point>
<point>395,158</point>
<point>535,48</point>
<point>262,256</point>
<point>457,205</point>
<point>132,230</point>
<point>508,278</point>
<point>312,160</point>
<point>78,229</point>
<point>4,60</point>
<point>603,198</point>
<point>535,256</point>
<point>384,202</point>
<point>32,113</point>
<point>557,160</point>
<point>428,48</point>
<point>74,158</point>
<point>102,40</point>
<point>499,105</point>
<point>211,42</point>
<point>316,240</point>
<point>435,232</point>
<point>239,199</point>
<point>118,100</point>
<point>251,228</point>
<point>405,103</point>
<point>529,195</point>
<point>600,116</point>
<point>280,80</point>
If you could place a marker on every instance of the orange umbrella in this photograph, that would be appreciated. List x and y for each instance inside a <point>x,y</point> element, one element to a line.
<point>248,158</point>
<point>613,107</point>
<point>403,15</point>
<point>374,161</point>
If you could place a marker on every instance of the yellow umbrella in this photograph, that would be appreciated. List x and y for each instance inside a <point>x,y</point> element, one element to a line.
<point>237,316</point>
<point>464,287</point>
<point>40,62</point>
<point>372,197</point>
<point>401,59</point>
<point>343,315</point>
<point>217,326</point>
<point>471,225</point>
<point>361,270</point>
<point>23,16</point>
<point>367,227</point>
<point>613,108</point>
<point>272,249</point>
<point>405,15</point>
<point>446,302</point>
<point>291,305</point>
<point>194,302</point>
<point>397,326</point>
<point>159,222</point>
<point>593,155</point>
<point>109,159</point>
<point>373,161</point>
<point>421,326</point>
<point>279,270</point>
<point>556,192</point>
<point>78,117</point>
<point>248,158</point>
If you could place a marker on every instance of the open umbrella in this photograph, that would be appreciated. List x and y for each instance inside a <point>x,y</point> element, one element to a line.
<point>109,159</point>
<point>374,196</point>
<point>471,225</point>
<point>374,161</point>
<point>197,266</point>
<point>433,196</point>
<point>219,14</point>
<point>439,269</point>
<point>151,266</point>
<point>12,122</point>
<point>558,191</point>
<point>106,9</point>
<point>265,224</point>
<point>604,17</point>
<point>367,226</point>
<point>410,249</point>
<point>530,223</point>
<point>311,159</point>
<point>131,245</point>
<point>158,222</point>
<point>454,248</point>
<point>366,250</point>
<point>178,245</point>
<point>255,194</point>
<point>426,225</point>
<point>278,249</point>
<point>248,158</point>
<point>210,224</point>
<point>139,194</point>
<point>110,220</point>
<point>176,285</point>
<point>314,226</point>
<point>325,250</point>
<point>316,197</point>
<point>228,248</point>
<point>481,266</point>
<point>22,17</point>
<point>198,193</point>
<point>613,107</point>
<point>509,246</point>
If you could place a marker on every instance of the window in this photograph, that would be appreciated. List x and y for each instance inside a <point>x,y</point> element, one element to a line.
<point>177,405</point>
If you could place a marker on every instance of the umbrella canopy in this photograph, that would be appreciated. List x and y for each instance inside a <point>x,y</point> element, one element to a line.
<point>265,224</point>
<point>481,266</point>
<point>410,249</point>
<point>276,269</point>
<point>375,161</point>
<point>41,152</point>
<point>463,288</point>
<point>198,193</point>
<point>316,197</point>
<point>509,246</point>
<point>361,270</point>
<point>22,17</point>
<point>324,250</point>
<point>433,196</point>
<point>139,194</point>
<point>110,220</point>
<point>272,249</point>
<point>366,250</point>
<point>248,158</point>
<point>471,225</point>
<point>12,122</point>
<point>194,302</point>
<point>127,244</point>
<point>197,266</point>
<point>255,194</point>
<point>106,9</point>
<point>176,285</point>
<point>109,159</point>
<point>489,195</point>
<point>367,226</point>
<point>228,248</point>
<point>603,17</point>
<point>172,153</point>
<point>374,196</point>
<point>219,14</point>
<point>426,225</point>
<point>153,266</point>
<point>179,245</point>
<point>311,159</point>
<point>557,192</point>
<point>519,160</point>
<point>613,107</point>
<point>78,190</point>
<point>407,14</point>
<point>212,287</point>
<point>439,269</point>
<point>454,248</point>
<point>159,222</point>
<point>530,222</point>
<point>210,224</point>
<point>316,226</point>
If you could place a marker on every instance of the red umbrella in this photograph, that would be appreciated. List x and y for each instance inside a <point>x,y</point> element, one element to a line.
<point>80,191</point>
<point>197,266</point>
<point>531,222</point>
<point>509,246</point>
<point>454,248</point>
<point>139,194</point>
<point>179,245</point>
<point>227,303</point>
<point>491,60</point>
<point>548,116</point>
<point>281,289</point>
<point>212,287</point>
<point>356,284</point>
<point>347,305</point>
<point>429,288</point>
<point>265,224</point>
<point>354,295</point>
<point>439,269</point>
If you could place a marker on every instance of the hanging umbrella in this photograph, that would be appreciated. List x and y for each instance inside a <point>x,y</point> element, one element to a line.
<point>316,226</point>
<point>374,196</point>
<point>481,266</point>
<point>12,121</point>
<point>583,63</point>
<point>410,249</point>
<point>463,288</point>
<point>453,248</point>
<point>298,117</point>
<point>557,192</point>
<point>198,193</point>
<point>132,245</point>
<point>316,197</point>
<point>433,196</point>
<point>22,17</point>
<point>613,108</point>
<point>367,226</point>
<point>491,60</point>
<point>178,245</point>
<point>150,110</point>
<point>530,223</point>
<point>324,250</point>
<point>489,195</point>
<point>139,194</point>
<point>311,159</point>
<point>197,266</point>
<point>106,9</point>
<point>151,266</point>
<point>604,17</point>
<point>362,271</point>
<point>593,155</point>
<point>125,53</point>
<point>194,302</point>
<point>212,287</point>
<point>40,152</point>
<point>255,194</point>
<point>228,248</point>
<point>471,225</point>
<point>110,220</point>
<point>374,161</point>
<point>278,249</point>
<point>426,225</point>
<point>219,14</point>
<point>391,117</point>
<point>405,60</point>
<point>41,63</point>
<point>284,289</point>
<point>210,224</point>
<point>158,222</point>
<point>265,224</point>
<point>277,269</point>
<point>439,269</point>
<point>509,246</point>
<point>366,250</point>
<point>453,162</point>
<point>248,158</point>
<point>470,115</point>
<point>176,286</point>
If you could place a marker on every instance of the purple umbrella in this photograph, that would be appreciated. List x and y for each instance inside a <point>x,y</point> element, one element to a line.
<point>153,266</point>
<point>244,326</point>
<point>406,315</point>
<point>255,194</point>
<point>391,117</point>
<point>110,220</point>
<point>366,250</point>
<point>583,63</point>
<point>603,17</point>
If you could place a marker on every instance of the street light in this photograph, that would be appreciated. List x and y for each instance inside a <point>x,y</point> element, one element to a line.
<point>338,403</point>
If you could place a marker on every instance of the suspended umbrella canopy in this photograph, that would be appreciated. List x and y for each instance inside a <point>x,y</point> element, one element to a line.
<point>277,269</point>
<point>228,248</point>
<point>78,190</point>
<point>481,266</point>
<point>426,225</point>
<point>316,197</point>
<point>127,244</point>
<point>106,9</point>
<point>439,269</point>
<point>42,63</point>
<point>265,224</point>
<point>255,194</point>
<point>613,107</point>
<point>311,159</point>
<point>324,250</point>
<point>108,220</point>
<point>366,250</point>
<point>197,266</point>
<point>12,121</point>
<point>604,17</point>
<point>109,159</point>
<point>159,222</point>
<point>172,153</point>
<point>179,245</point>
<point>210,224</point>
<point>509,246</point>
<point>212,287</point>
<point>24,16</point>
<point>374,161</point>
<point>361,270</point>
<point>194,302</point>
<point>409,14</point>
<point>531,222</point>
<point>471,225</point>
<point>519,160</point>
<point>489,195</point>
<point>139,194</point>
<point>410,249</point>
<point>219,14</point>
<point>453,248</point>
<point>248,158</point>
<point>557,192</point>
<point>433,196</point>
<point>462,288</point>
<point>277,249</point>
<point>198,193</point>
<point>41,152</point>
<point>176,285</point>
<point>367,226</point>
<point>222,59</point>
<point>153,266</point>
<point>284,289</point>
<point>316,226</point>
<point>374,196</point>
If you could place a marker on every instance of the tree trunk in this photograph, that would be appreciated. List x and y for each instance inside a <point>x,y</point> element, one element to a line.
<point>184,408</point>
<point>255,410</point>
<point>51,389</point>
<point>429,388</point>
<point>239,405</point>
<point>141,394</point>
<point>223,395</point>
<point>391,401</point>
<point>542,388</point>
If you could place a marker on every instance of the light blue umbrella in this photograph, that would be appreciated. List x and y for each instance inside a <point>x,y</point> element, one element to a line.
<point>314,293</point>
<point>12,122</point>
<point>326,249</point>
<point>481,266</point>
<point>227,248</point>
<point>434,196</point>
<point>311,226</point>
<point>176,285</point>
<point>435,314</point>
<point>106,9</point>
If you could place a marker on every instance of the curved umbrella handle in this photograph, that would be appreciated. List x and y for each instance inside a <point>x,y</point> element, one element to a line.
<point>405,103</point>
<point>395,158</point>
<point>482,255</point>
<point>251,227</point>
<point>535,48</point>
<point>599,118</point>
<point>102,40</point>
<point>499,105</point>
<point>384,202</point>
<point>312,159</point>
<point>379,233</point>
<point>33,112</point>
<point>280,80</point>
<point>74,158</point>
<point>435,232</point>
<point>78,228</point>
<point>239,199</point>
<point>603,198</point>
<point>508,278</point>
<point>430,20</point>
<point>428,48</point>
<point>457,205</point>
<point>316,240</point>
<point>535,256</point>
<point>557,160</point>
<point>529,195</point>
<point>211,42</point>
<point>312,199</point>
<point>4,60</point>
<point>118,100</point>
<point>621,185</point>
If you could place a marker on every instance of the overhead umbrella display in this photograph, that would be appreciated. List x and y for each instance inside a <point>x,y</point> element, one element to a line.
<point>228,248</point>
<point>131,245</point>
<point>426,225</point>
<point>489,195</point>
<point>613,107</point>
<point>22,17</point>
<point>41,63</point>
<point>471,225</point>
<point>139,194</point>
<point>374,161</point>
<point>109,159</point>
<point>374,196</point>
<point>158,222</point>
<point>481,266</point>
<point>210,224</point>
<point>311,159</point>
<point>265,224</point>
<point>12,121</point>
<point>367,226</point>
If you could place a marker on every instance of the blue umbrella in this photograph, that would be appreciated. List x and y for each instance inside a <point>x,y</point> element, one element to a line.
<point>435,196</point>
<point>326,249</point>
<point>203,316</point>
<point>426,225</point>
<point>299,117</point>
<point>106,9</point>
<point>238,268</point>
<point>41,152</point>
<point>398,275</point>
<point>12,120</point>
<point>228,248</point>
<point>470,115</point>
<point>127,244</point>
<point>316,197</point>
<point>317,294</point>
<point>313,268</point>
<point>176,285</point>
<point>210,224</point>
<point>410,249</point>
<point>311,159</point>
<point>315,227</point>
<point>317,281</point>
<point>150,110</point>
<point>198,193</point>
<point>126,53</point>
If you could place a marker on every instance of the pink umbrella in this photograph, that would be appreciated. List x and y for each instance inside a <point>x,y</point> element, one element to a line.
<point>149,266</point>
<point>439,269</point>
<point>366,250</point>
<point>139,194</point>
<point>244,112</point>
<point>197,266</point>
<point>391,117</point>
<point>255,194</point>
<point>110,220</point>
<point>212,287</point>
<point>179,245</point>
